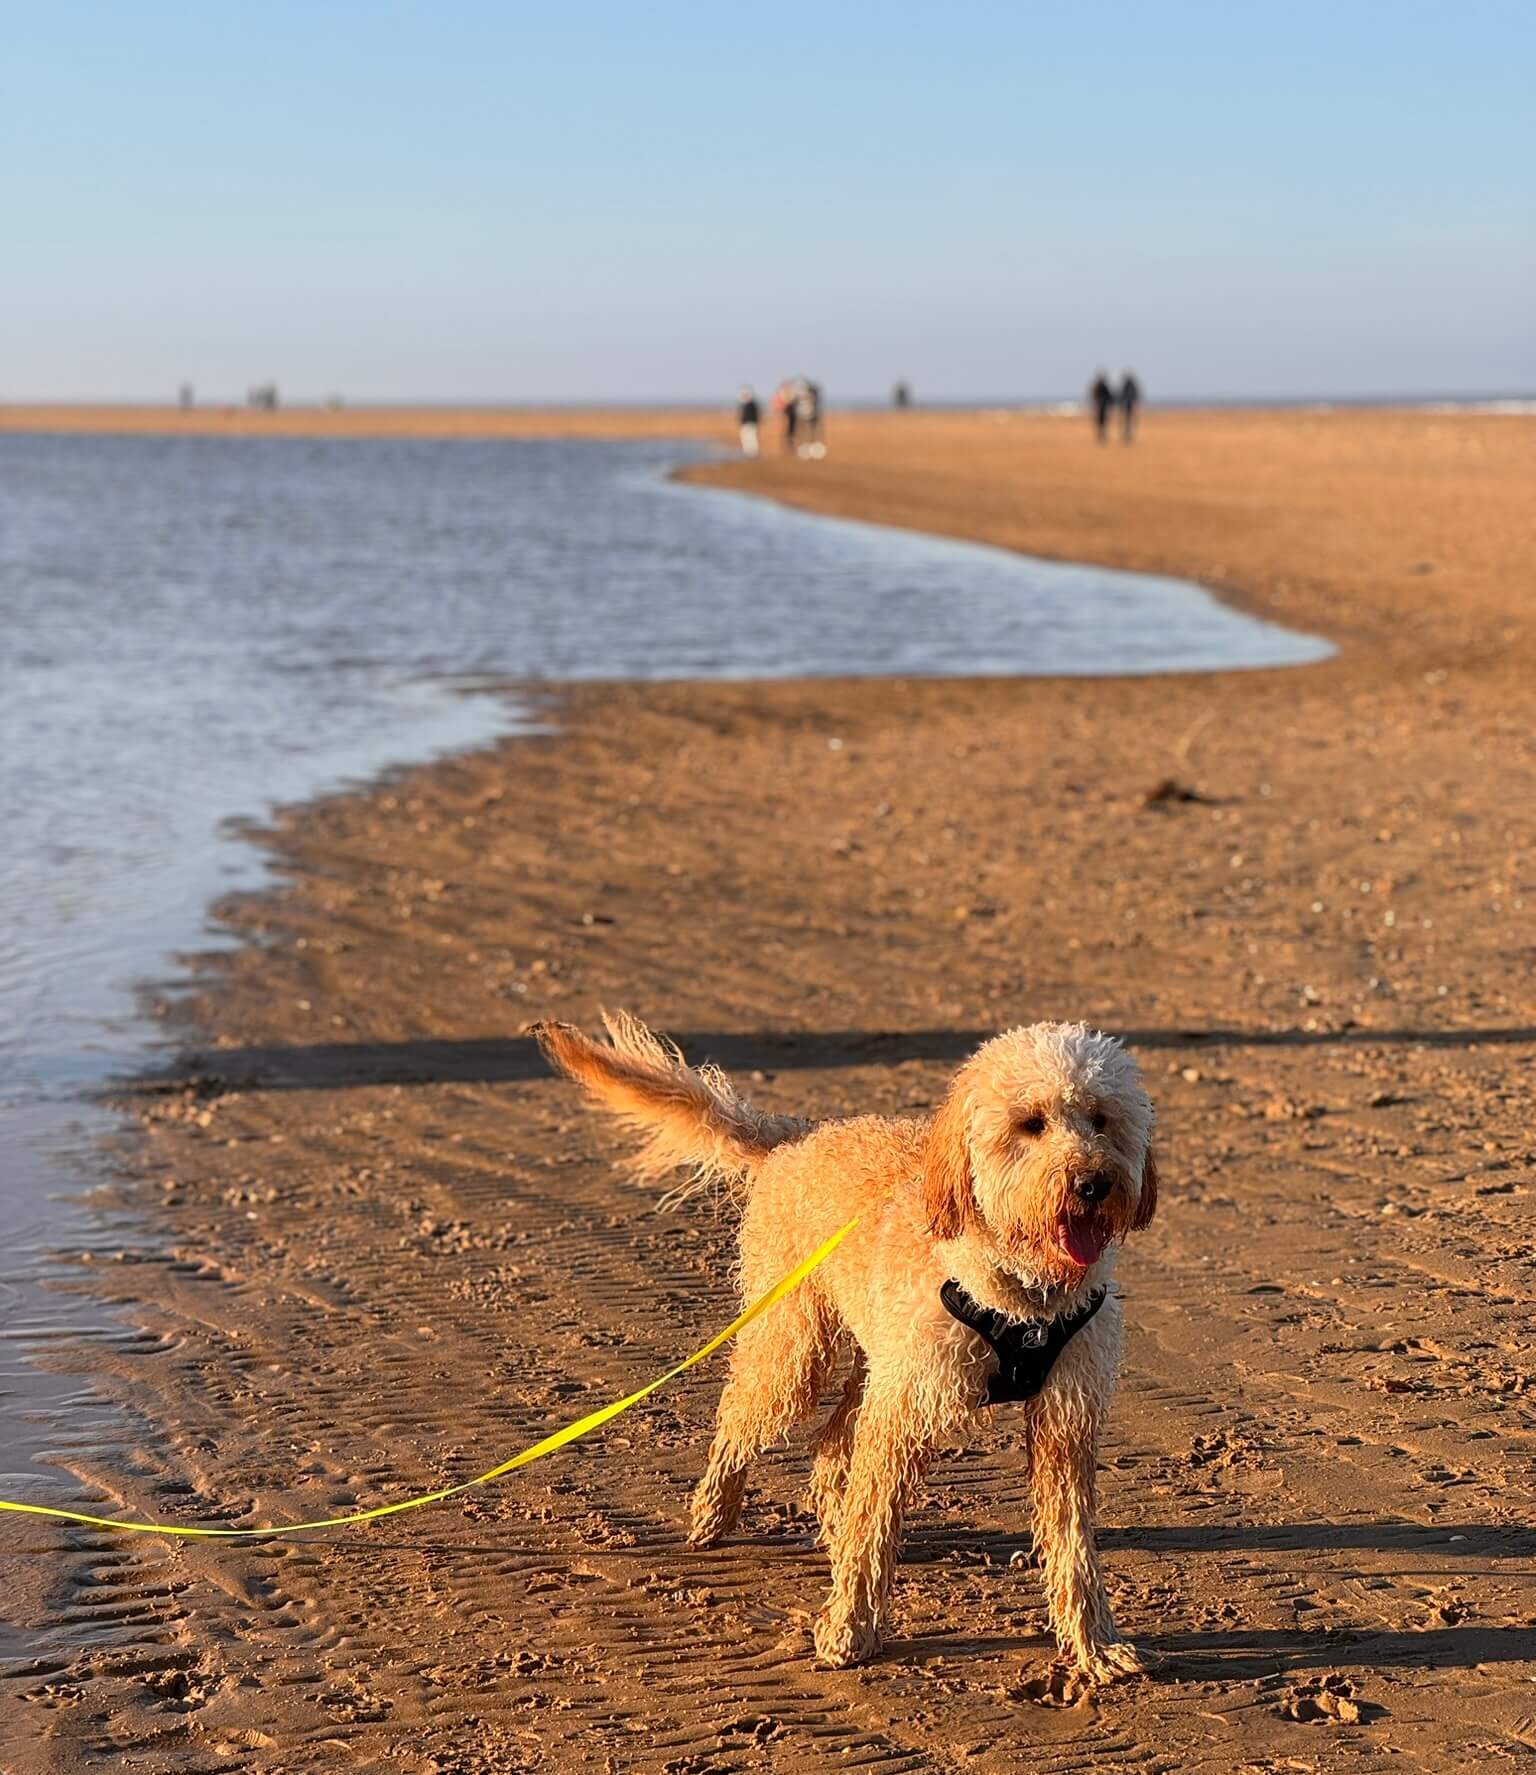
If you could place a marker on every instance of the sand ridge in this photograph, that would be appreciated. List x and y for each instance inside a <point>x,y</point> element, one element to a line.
<point>380,1243</point>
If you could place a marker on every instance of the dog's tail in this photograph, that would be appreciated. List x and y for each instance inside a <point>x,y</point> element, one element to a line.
<point>691,1117</point>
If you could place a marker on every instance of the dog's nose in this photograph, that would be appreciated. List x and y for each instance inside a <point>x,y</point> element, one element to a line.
<point>1095,1187</point>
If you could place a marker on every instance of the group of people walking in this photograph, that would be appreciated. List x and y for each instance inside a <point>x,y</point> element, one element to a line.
<point>797,401</point>
<point>1104,398</point>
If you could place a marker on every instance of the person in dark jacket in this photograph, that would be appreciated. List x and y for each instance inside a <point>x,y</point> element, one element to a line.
<point>1130,400</point>
<point>748,418</point>
<point>1101,399</point>
<point>787,404</point>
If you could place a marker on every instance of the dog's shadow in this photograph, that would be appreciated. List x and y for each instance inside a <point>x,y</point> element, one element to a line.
<point>1235,1654</point>
<point>1238,1655</point>
<point>1458,1542</point>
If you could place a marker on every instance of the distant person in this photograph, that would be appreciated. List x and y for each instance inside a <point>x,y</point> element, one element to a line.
<point>901,396</point>
<point>808,399</point>
<point>1130,400</point>
<point>786,401</point>
<point>748,418</point>
<point>186,396</point>
<point>1101,398</point>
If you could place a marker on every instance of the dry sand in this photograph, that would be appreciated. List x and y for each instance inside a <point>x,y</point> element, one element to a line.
<point>381,1248</point>
<point>371,422</point>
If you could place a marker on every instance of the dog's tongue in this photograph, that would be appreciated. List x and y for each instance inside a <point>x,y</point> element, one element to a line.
<point>1084,1241</point>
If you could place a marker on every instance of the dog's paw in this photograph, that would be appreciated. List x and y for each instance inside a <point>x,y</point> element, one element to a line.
<point>1114,1662</point>
<point>841,1642</point>
<point>712,1516</point>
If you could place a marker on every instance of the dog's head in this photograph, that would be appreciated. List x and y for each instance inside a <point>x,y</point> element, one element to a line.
<point>1044,1141</point>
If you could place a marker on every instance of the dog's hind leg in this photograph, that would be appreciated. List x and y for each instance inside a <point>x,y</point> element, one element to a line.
<point>778,1370</point>
<point>834,1450</point>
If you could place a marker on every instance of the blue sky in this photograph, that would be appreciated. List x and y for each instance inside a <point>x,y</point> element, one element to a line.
<point>650,201</point>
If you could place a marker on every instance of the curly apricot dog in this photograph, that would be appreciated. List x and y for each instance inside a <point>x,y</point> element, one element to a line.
<point>1018,1190</point>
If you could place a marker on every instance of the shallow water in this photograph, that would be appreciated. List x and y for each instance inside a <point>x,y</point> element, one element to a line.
<point>195,629</point>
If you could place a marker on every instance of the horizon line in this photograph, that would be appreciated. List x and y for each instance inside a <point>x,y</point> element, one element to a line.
<point>724,403</point>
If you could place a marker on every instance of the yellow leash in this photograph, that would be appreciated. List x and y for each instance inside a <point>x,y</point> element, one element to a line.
<point>560,1438</point>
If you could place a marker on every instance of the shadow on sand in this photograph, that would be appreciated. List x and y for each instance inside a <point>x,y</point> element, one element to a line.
<point>488,1060</point>
<point>1456,1541</point>
<point>1236,1653</point>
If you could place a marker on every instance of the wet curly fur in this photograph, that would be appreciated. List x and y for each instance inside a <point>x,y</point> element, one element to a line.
<point>1021,1186</point>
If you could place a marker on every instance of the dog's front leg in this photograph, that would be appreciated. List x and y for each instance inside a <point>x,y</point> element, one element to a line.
<point>890,1453</point>
<point>1064,1437</point>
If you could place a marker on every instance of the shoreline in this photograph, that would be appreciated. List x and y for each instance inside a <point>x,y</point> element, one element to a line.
<point>1273,505</point>
<point>618,420</point>
<point>402,1193</point>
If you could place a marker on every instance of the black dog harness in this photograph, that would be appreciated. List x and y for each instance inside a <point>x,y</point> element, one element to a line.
<point>1026,1349</point>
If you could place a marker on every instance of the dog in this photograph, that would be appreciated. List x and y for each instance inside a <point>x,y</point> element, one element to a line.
<point>998,1216</point>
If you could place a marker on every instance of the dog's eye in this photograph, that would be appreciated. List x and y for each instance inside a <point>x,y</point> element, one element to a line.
<point>1032,1125</point>
<point>1100,1121</point>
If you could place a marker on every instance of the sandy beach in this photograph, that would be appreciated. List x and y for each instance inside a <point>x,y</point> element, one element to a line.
<point>227,421</point>
<point>382,1248</point>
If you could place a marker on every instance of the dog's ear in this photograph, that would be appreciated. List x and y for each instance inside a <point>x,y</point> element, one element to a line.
<point>1146,1203</point>
<point>948,1195</point>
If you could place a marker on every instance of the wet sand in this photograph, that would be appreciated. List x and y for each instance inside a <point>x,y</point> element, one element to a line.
<point>382,1248</point>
